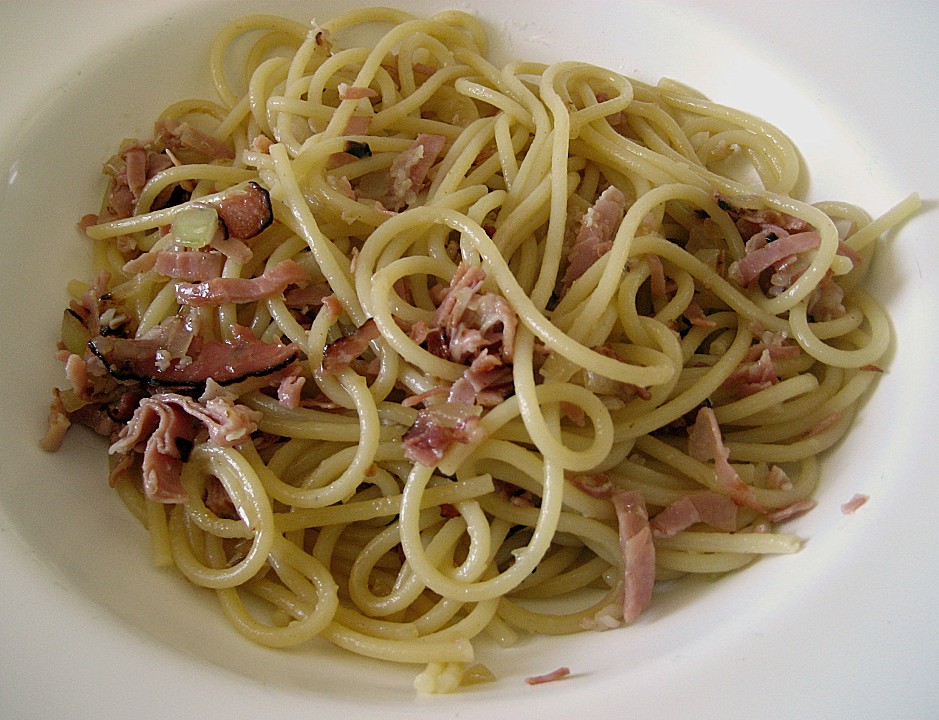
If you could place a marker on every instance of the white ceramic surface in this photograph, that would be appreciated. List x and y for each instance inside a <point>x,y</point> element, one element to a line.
<point>848,627</point>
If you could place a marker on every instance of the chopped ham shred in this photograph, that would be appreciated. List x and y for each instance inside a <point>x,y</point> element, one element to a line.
<point>245,214</point>
<point>706,443</point>
<point>358,125</point>
<point>437,428</point>
<point>185,265</point>
<point>469,321</point>
<point>190,144</point>
<point>167,424</point>
<point>338,354</point>
<point>487,382</point>
<point>220,291</point>
<point>635,541</point>
<point>355,92</point>
<point>749,268</point>
<point>597,485</point>
<point>554,675</point>
<point>409,170</point>
<point>854,503</point>
<point>790,511</point>
<point>696,316</point>
<point>595,235</point>
<point>177,358</point>
<point>289,392</point>
<point>711,508</point>
<point>752,377</point>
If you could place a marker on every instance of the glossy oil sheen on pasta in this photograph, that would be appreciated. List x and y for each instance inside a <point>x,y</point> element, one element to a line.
<point>510,335</point>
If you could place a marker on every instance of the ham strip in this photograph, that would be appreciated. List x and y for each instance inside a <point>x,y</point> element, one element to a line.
<point>308,296</point>
<point>751,221</point>
<point>485,382</point>
<point>338,354</point>
<point>752,377</point>
<point>595,235</point>
<point>167,424</point>
<point>753,263</point>
<point>635,540</point>
<point>356,92</point>
<point>220,291</point>
<point>794,509</point>
<point>289,392</point>
<point>410,168</point>
<point>232,248</point>
<point>135,162</point>
<point>436,429</point>
<point>826,301</point>
<point>247,213</point>
<point>559,674</point>
<point>705,443</point>
<point>225,361</point>
<point>854,503</point>
<point>190,266</point>
<point>468,322</point>
<point>130,170</point>
<point>189,143</point>
<point>218,500</point>
<point>711,508</point>
<point>598,485</point>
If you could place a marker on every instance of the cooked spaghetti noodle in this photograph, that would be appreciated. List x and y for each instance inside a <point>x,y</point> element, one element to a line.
<point>395,347</point>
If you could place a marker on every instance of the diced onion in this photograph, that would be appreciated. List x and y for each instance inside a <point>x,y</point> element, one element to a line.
<point>195,226</point>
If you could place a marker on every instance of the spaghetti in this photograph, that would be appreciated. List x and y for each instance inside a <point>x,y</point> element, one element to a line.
<point>395,347</point>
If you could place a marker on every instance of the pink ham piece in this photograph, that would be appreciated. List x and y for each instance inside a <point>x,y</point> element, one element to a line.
<point>357,125</point>
<point>189,266</point>
<point>635,540</point>
<point>748,269</point>
<point>826,301</point>
<point>355,92</point>
<point>695,315</point>
<point>289,392</point>
<point>751,221</point>
<point>153,360</point>
<point>437,428</point>
<point>76,372</point>
<point>554,675</point>
<point>657,282</point>
<point>468,321</point>
<point>220,291</point>
<point>246,214</point>
<point>308,296</point>
<point>758,371</point>
<point>752,377</point>
<point>410,168</point>
<point>338,354</point>
<point>167,424</point>
<point>485,382</point>
<point>231,248</point>
<point>776,344</point>
<point>854,503</point>
<point>711,508</point>
<point>792,510</point>
<point>597,485</point>
<point>705,443</point>
<point>135,162</point>
<point>218,500</point>
<point>190,144</point>
<point>595,235</point>
<point>130,170</point>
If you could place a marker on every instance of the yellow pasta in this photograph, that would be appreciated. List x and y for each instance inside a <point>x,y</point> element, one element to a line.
<point>395,347</point>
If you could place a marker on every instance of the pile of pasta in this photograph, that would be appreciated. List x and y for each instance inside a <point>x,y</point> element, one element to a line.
<point>553,346</point>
